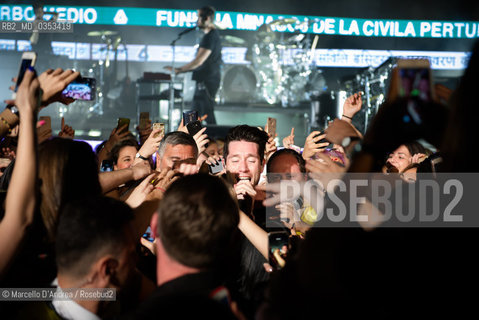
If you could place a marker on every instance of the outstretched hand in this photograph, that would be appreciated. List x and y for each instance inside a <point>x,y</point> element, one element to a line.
<point>312,144</point>
<point>53,82</point>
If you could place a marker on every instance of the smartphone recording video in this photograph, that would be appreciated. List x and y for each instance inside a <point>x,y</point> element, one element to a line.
<point>193,127</point>
<point>81,89</point>
<point>271,125</point>
<point>144,118</point>
<point>161,126</point>
<point>121,123</point>
<point>278,248</point>
<point>189,116</point>
<point>28,60</point>
<point>415,80</point>
<point>106,166</point>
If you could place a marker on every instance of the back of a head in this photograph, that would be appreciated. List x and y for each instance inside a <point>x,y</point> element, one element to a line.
<point>89,229</point>
<point>196,220</point>
<point>68,170</point>
<point>175,138</point>
<point>249,134</point>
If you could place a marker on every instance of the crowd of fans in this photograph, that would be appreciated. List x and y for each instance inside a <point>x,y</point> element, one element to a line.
<point>66,224</point>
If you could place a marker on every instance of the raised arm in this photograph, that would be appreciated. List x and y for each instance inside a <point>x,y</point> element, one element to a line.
<point>257,236</point>
<point>22,191</point>
<point>111,180</point>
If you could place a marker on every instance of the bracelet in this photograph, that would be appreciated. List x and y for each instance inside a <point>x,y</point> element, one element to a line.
<point>7,124</point>
<point>350,118</point>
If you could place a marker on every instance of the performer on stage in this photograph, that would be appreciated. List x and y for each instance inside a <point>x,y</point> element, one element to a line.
<point>206,65</point>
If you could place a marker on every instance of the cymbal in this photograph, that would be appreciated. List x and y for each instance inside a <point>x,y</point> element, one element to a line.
<point>265,33</point>
<point>233,40</point>
<point>296,38</point>
<point>101,33</point>
<point>286,46</point>
<point>283,22</point>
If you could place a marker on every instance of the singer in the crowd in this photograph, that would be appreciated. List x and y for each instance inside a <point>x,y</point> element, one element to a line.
<point>206,65</point>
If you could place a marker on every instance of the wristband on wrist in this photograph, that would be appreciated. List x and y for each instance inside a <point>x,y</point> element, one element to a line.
<point>350,118</point>
<point>138,155</point>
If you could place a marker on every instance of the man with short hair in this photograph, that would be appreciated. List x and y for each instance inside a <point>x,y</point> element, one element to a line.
<point>194,229</point>
<point>286,161</point>
<point>244,156</point>
<point>244,151</point>
<point>206,65</point>
<point>95,249</point>
<point>176,147</point>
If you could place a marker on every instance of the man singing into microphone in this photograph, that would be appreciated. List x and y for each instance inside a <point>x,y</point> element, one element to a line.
<point>206,65</point>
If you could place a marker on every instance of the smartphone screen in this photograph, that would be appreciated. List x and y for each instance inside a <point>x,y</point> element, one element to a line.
<point>122,122</point>
<point>193,127</point>
<point>161,126</point>
<point>415,82</point>
<point>81,89</point>
<point>23,67</point>
<point>415,79</point>
<point>144,117</point>
<point>106,166</point>
<point>278,248</point>
<point>272,127</point>
<point>28,59</point>
<point>189,116</point>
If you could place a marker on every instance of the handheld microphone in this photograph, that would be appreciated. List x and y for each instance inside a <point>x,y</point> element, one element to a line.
<point>186,31</point>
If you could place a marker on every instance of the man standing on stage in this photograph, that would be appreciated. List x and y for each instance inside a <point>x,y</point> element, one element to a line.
<point>206,65</point>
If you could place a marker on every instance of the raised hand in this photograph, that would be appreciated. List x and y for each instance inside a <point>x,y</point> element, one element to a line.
<point>201,140</point>
<point>151,144</point>
<point>312,145</point>
<point>116,135</point>
<point>417,158</point>
<point>66,131</point>
<point>139,194</point>
<point>352,105</point>
<point>289,140</point>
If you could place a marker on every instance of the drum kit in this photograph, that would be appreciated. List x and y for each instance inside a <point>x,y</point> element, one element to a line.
<point>281,69</point>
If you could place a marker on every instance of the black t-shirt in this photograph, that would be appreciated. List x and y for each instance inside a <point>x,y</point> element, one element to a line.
<point>210,69</point>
